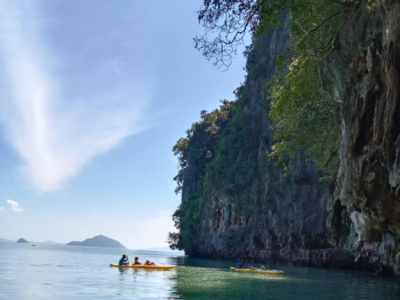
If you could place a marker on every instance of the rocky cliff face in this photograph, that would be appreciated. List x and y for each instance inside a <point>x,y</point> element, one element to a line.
<point>275,216</point>
<point>363,76</point>
<point>350,222</point>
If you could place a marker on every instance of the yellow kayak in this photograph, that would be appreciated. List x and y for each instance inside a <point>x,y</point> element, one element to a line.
<point>276,272</point>
<point>153,267</point>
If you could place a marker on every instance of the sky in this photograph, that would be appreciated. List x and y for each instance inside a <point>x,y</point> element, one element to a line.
<point>94,94</point>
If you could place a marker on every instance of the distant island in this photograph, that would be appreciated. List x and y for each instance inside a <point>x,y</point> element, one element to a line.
<point>5,241</point>
<point>98,241</point>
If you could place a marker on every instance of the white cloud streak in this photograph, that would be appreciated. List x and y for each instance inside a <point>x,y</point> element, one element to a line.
<point>1,208</point>
<point>52,136</point>
<point>15,206</point>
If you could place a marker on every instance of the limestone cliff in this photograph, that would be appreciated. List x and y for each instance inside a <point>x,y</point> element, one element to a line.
<point>363,76</point>
<point>250,207</point>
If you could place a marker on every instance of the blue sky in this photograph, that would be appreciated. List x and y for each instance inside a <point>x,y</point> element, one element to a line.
<point>94,96</point>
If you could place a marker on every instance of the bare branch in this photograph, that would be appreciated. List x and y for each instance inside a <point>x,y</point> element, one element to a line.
<point>226,24</point>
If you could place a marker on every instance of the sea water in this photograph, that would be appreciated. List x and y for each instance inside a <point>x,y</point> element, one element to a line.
<point>68,272</point>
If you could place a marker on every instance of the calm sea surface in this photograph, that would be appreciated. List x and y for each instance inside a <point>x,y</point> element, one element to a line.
<point>66,272</point>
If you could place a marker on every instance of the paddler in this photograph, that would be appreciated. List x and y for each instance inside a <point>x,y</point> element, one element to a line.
<point>137,261</point>
<point>262,268</point>
<point>124,260</point>
<point>149,263</point>
<point>240,264</point>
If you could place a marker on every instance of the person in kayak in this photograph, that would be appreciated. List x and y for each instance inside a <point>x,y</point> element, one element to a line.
<point>262,268</point>
<point>124,260</point>
<point>149,263</point>
<point>137,261</point>
<point>240,264</point>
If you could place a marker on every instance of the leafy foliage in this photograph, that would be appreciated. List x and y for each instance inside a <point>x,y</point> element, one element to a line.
<point>235,164</point>
<point>228,161</point>
<point>196,149</point>
<point>187,221</point>
<point>226,22</point>
<point>221,151</point>
<point>303,119</point>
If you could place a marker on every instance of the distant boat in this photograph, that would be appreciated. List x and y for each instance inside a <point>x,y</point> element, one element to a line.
<point>33,245</point>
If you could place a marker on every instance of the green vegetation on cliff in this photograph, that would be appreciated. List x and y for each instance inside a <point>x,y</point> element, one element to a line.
<point>224,146</point>
<point>187,220</point>
<point>325,75</point>
<point>304,119</point>
<point>221,152</point>
<point>196,149</point>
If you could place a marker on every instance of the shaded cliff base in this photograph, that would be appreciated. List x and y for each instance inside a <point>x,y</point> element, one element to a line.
<point>331,258</point>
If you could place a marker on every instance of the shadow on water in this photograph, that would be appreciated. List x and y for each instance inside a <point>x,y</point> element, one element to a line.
<point>210,279</point>
<point>215,284</point>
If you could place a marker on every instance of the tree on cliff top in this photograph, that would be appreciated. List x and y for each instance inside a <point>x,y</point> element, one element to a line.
<point>226,22</point>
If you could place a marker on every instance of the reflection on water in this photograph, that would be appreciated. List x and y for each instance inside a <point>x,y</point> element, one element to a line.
<point>61,272</point>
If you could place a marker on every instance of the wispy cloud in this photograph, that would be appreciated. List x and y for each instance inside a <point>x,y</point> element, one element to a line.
<point>1,208</point>
<point>15,206</point>
<point>53,134</point>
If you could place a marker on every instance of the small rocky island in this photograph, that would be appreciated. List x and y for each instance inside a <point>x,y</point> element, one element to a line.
<point>98,241</point>
<point>22,241</point>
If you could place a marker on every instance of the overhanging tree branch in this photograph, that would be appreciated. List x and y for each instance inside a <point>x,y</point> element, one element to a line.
<point>226,23</point>
<point>318,27</point>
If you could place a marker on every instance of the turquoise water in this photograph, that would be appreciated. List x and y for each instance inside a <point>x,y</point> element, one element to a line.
<point>65,272</point>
